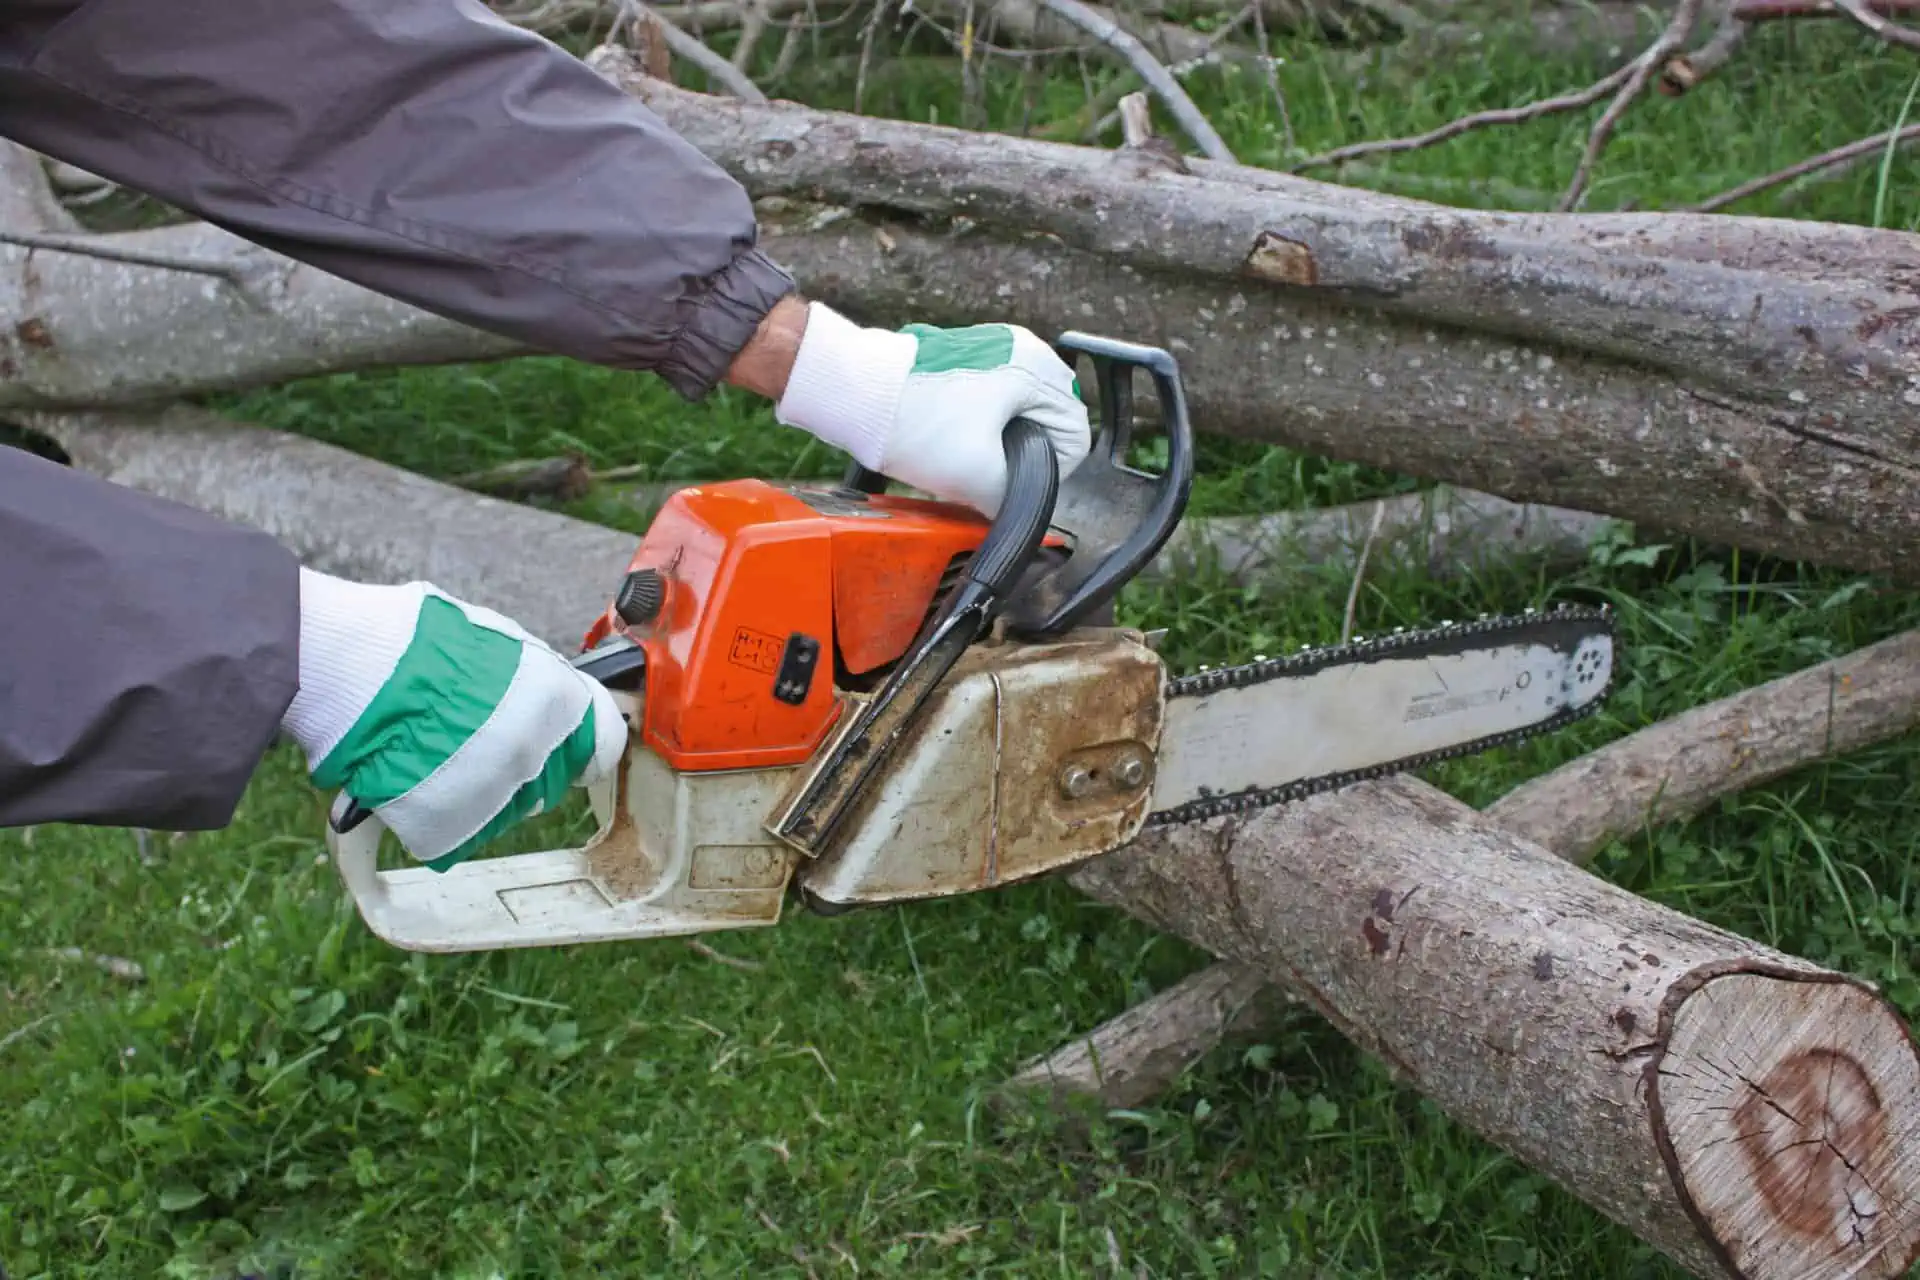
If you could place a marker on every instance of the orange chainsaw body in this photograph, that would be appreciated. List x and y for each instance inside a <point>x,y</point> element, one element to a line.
<point>756,575</point>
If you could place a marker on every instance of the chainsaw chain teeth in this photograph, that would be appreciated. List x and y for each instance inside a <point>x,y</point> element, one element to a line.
<point>1309,660</point>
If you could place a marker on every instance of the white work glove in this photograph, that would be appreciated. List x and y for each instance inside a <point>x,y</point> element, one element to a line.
<point>447,720</point>
<point>929,407</point>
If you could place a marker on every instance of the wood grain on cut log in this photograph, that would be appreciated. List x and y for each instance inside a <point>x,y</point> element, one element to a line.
<point>1770,1101</point>
<point>1621,1049</point>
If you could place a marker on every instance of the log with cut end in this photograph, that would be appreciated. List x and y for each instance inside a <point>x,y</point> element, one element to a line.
<point>1749,1113</point>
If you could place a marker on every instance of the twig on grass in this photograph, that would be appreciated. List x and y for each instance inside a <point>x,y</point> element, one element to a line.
<point>1892,32</point>
<point>1686,70</point>
<point>721,957</point>
<point>1360,570</point>
<point>1478,120</point>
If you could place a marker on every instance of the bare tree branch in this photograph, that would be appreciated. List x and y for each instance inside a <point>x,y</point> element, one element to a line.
<point>95,247</point>
<point>1640,71</point>
<point>1847,156</point>
<point>1136,1056</point>
<point>1149,69</point>
<point>27,201</point>
<point>1442,533</point>
<point>1682,766</point>
<point>724,73</point>
<point>1684,71</point>
<point>1891,32</point>
<point>1778,10</point>
<point>1479,120</point>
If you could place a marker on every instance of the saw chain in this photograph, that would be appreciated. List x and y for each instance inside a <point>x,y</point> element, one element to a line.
<point>1402,643</point>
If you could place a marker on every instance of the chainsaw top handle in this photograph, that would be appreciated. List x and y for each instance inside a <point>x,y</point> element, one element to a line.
<point>1116,516</point>
<point>815,813</point>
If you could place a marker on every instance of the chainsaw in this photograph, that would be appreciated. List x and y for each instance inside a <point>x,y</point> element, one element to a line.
<point>857,697</point>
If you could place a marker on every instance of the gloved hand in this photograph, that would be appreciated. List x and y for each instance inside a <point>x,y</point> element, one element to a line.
<point>928,406</point>
<point>447,720</point>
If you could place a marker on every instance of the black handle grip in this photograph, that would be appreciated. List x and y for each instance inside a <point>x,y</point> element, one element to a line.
<point>1117,517</point>
<point>355,815</point>
<point>1033,486</point>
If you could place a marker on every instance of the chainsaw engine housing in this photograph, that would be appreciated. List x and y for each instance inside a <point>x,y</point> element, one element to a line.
<point>767,597</point>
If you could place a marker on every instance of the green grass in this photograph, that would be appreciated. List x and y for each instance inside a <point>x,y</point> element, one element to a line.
<point>283,1091</point>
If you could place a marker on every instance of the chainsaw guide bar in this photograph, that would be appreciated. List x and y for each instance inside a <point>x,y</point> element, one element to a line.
<point>1580,637</point>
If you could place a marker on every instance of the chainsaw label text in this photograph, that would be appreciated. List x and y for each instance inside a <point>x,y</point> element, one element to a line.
<point>1432,705</point>
<point>755,650</point>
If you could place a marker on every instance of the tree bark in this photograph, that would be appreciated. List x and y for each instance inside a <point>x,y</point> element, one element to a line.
<point>1748,1113</point>
<point>1443,532</point>
<point>1703,295</point>
<point>1495,414</point>
<point>1137,1056</point>
<point>282,482</point>
<point>1747,381</point>
<point>84,331</point>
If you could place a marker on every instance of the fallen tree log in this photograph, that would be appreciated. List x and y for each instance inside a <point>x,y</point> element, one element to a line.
<point>375,515</point>
<point>1659,455</point>
<point>1748,1113</point>
<point>344,514</point>
<point>1745,381</point>
<point>1132,1058</point>
<point>1673,1075</point>
<point>1444,532</point>
<point>1675,769</point>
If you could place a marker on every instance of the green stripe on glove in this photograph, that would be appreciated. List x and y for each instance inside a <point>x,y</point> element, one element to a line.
<point>447,720</point>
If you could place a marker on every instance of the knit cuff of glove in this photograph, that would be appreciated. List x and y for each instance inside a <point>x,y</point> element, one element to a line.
<point>352,636</point>
<point>846,384</point>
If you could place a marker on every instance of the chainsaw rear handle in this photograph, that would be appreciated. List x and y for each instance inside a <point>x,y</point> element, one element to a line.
<point>617,662</point>
<point>813,816</point>
<point>1117,516</point>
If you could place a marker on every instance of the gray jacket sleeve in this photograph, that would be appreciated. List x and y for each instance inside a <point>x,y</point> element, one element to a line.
<point>425,149</point>
<point>147,652</point>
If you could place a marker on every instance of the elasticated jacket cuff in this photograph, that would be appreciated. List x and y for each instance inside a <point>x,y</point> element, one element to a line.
<point>722,320</point>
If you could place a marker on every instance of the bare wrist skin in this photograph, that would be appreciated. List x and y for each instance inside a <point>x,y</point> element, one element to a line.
<point>765,363</point>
